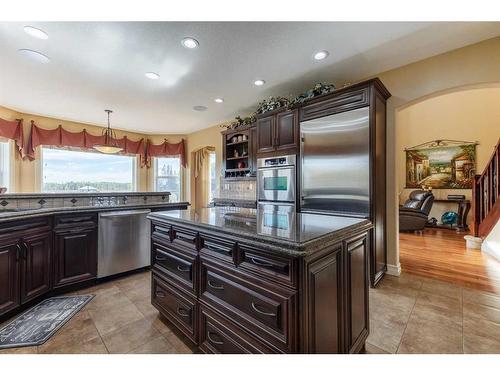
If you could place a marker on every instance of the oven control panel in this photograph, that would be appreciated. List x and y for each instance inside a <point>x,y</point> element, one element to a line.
<point>279,161</point>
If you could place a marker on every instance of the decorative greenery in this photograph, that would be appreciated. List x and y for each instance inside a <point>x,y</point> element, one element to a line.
<point>318,89</point>
<point>276,102</point>
<point>239,121</point>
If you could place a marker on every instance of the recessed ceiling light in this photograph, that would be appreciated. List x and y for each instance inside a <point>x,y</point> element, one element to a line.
<point>200,108</point>
<point>190,43</point>
<point>36,33</point>
<point>34,56</point>
<point>219,100</point>
<point>152,75</point>
<point>259,82</point>
<point>321,55</point>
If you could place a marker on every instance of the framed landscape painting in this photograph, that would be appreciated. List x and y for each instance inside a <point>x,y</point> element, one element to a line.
<point>441,164</point>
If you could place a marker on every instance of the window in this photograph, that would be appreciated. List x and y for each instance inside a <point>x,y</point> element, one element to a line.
<point>4,164</point>
<point>167,175</point>
<point>86,172</point>
<point>212,181</point>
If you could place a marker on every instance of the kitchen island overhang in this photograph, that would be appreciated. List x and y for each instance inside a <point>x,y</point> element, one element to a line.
<point>252,281</point>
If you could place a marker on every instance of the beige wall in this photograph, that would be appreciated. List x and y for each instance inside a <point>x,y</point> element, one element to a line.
<point>474,65</point>
<point>469,115</point>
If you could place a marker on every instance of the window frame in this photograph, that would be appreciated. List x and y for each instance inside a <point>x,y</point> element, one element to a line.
<point>181,174</point>
<point>211,194</point>
<point>9,152</point>
<point>39,177</point>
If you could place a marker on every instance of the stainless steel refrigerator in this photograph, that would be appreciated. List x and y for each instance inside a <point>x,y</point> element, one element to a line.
<point>335,164</point>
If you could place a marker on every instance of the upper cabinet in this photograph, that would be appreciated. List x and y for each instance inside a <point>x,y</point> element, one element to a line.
<point>278,131</point>
<point>239,152</point>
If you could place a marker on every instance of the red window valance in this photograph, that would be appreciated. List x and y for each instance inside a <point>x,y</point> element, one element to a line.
<point>165,149</point>
<point>13,130</point>
<point>84,140</point>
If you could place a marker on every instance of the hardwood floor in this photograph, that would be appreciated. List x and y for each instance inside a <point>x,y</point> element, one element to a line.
<point>441,254</point>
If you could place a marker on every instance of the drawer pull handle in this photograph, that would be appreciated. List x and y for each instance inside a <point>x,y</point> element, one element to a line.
<point>212,340</point>
<point>183,269</point>
<point>160,294</point>
<point>160,258</point>
<point>217,248</point>
<point>261,263</point>
<point>183,312</point>
<point>215,286</point>
<point>254,306</point>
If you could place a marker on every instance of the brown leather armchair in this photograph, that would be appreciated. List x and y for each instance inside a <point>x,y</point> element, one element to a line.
<point>414,213</point>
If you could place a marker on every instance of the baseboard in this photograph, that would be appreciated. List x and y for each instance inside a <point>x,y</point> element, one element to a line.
<point>394,270</point>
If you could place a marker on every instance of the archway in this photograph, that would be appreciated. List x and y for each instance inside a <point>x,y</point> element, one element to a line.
<point>466,113</point>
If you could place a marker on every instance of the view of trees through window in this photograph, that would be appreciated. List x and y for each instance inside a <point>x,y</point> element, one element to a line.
<point>167,176</point>
<point>86,172</point>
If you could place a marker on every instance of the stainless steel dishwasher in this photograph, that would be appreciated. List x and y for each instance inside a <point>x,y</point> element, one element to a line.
<point>124,242</point>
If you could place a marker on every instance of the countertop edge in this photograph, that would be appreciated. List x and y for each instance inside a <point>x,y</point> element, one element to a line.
<point>286,247</point>
<point>20,215</point>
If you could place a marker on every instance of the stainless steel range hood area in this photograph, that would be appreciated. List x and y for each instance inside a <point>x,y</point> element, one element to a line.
<point>335,164</point>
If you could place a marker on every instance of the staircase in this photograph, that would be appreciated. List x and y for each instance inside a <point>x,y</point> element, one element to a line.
<point>486,196</point>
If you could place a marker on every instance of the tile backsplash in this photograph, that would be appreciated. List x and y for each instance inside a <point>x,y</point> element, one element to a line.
<point>245,189</point>
<point>40,201</point>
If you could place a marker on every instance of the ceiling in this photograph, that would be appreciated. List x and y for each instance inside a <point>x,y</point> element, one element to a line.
<point>98,65</point>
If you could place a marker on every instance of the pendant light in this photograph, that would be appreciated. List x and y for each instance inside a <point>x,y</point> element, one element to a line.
<point>110,145</point>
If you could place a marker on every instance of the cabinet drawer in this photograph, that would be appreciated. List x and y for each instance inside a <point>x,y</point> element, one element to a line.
<point>339,103</point>
<point>68,221</point>
<point>219,335</point>
<point>178,308</point>
<point>270,266</point>
<point>268,312</point>
<point>225,250</point>
<point>185,237</point>
<point>161,231</point>
<point>177,266</point>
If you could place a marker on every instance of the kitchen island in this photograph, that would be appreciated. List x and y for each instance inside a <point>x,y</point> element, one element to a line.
<point>236,280</point>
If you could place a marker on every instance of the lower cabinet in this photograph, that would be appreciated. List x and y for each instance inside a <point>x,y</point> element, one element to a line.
<point>35,265</point>
<point>75,255</point>
<point>178,307</point>
<point>9,275</point>
<point>219,335</point>
<point>237,298</point>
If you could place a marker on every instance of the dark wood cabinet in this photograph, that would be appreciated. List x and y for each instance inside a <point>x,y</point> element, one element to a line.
<point>9,275</point>
<point>371,94</point>
<point>357,293</point>
<point>278,131</point>
<point>253,150</point>
<point>75,255</point>
<point>266,133</point>
<point>287,130</point>
<point>35,265</point>
<point>230,296</point>
<point>238,152</point>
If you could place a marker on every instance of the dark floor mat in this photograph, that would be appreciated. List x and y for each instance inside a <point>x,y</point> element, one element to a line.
<point>39,323</point>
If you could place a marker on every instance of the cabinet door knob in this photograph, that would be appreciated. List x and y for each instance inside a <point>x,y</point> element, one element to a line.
<point>18,252</point>
<point>215,286</point>
<point>160,258</point>
<point>210,336</point>
<point>254,306</point>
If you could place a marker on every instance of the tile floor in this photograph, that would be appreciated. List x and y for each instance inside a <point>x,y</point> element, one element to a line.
<point>409,314</point>
<point>120,319</point>
<point>412,314</point>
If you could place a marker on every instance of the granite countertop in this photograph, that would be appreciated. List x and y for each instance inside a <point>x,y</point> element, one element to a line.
<point>37,212</point>
<point>290,232</point>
